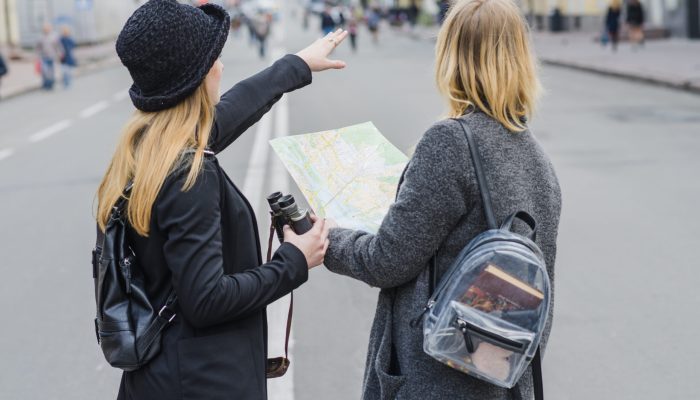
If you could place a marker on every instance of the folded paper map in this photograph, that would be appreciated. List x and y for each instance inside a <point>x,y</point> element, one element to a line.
<point>348,174</point>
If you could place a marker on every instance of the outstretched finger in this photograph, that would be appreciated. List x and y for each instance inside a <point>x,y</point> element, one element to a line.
<point>335,64</point>
<point>331,34</point>
<point>340,36</point>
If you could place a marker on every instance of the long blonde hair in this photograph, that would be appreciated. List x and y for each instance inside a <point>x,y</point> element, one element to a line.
<point>484,61</point>
<point>152,146</point>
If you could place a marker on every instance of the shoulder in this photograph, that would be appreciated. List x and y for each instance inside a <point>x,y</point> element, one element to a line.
<point>202,195</point>
<point>442,147</point>
<point>446,133</point>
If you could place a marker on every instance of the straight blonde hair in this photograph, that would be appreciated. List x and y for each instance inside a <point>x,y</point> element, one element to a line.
<point>152,146</point>
<point>484,61</point>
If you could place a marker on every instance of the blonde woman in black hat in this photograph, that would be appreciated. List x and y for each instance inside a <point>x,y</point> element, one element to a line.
<point>191,228</point>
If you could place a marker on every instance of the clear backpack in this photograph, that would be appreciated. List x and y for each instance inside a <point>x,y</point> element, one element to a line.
<point>487,315</point>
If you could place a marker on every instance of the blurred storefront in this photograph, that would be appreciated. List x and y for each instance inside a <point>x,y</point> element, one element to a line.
<point>91,21</point>
<point>664,17</point>
<point>680,18</point>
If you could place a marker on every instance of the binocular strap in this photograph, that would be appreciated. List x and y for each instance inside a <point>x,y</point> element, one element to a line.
<point>280,367</point>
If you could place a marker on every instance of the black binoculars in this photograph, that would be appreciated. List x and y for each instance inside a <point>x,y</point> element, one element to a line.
<point>284,211</point>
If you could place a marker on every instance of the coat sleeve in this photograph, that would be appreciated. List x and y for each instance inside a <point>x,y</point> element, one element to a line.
<point>193,253</point>
<point>247,102</point>
<point>430,203</point>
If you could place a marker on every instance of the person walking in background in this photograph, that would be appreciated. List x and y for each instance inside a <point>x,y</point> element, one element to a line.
<point>250,24</point>
<point>352,30</point>
<point>263,25</point>
<point>3,71</point>
<point>413,12</point>
<point>486,71</point>
<point>612,23</point>
<point>635,22</point>
<point>68,60</point>
<point>373,20</point>
<point>49,51</point>
<point>444,6</point>
<point>327,21</point>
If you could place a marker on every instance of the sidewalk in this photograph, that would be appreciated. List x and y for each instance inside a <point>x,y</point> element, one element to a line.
<point>668,62</point>
<point>22,77</point>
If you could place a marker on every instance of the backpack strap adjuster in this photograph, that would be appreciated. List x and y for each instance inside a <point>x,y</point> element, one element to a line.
<point>169,314</point>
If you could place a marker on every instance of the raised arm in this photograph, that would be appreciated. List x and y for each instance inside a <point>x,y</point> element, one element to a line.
<point>430,203</point>
<point>193,252</point>
<point>247,102</point>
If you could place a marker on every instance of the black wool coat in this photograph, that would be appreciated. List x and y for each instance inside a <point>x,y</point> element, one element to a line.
<point>204,243</point>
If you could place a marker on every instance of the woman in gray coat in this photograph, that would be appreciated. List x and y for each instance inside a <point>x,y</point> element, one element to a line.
<point>487,73</point>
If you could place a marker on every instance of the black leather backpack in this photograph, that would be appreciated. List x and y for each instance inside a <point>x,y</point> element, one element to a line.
<point>128,325</point>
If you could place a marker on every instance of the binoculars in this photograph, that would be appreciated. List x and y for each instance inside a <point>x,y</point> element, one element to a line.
<point>284,211</point>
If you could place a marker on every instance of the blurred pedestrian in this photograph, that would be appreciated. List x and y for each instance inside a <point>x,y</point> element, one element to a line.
<point>352,31</point>
<point>250,24</point>
<point>3,70</point>
<point>305,18</point>
<point>327,21</point>
<point>192,232</point>
<point>263,26</point>
<point>49,51</point>
<point>487,72</point>
<point>413,12</point>
<point>373,20</point>
<point>444,6</point>
<point>612,23</point>
<point>68,60</point>
<point>635,22</point>
<point>236,22</point>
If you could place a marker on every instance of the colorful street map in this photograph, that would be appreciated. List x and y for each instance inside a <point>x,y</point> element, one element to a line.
<point>348,174</point>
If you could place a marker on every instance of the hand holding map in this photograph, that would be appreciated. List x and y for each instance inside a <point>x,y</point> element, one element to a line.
<point>349,174</point>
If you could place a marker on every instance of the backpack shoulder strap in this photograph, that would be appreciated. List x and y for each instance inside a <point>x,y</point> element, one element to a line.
<point>537,374</point>
<point>480,177</point>
<point>483,189</point>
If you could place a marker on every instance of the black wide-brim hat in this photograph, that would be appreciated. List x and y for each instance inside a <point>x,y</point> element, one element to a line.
<point>169,49</point>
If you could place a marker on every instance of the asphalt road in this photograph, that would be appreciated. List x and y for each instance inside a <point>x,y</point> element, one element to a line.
<point>626,282</point>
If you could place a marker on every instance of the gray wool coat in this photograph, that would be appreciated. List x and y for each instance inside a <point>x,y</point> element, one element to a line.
<point>438,207</point>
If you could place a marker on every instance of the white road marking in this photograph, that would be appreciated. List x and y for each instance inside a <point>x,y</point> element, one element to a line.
<point>255,174</point>
<point>5,153</point>
<point>94,109</point>
<point>50,131</point>
<point>279,179</point>
<point>120,95</point>
<point>277,312</point>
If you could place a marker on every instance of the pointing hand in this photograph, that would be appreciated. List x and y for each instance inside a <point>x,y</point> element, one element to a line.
<point>316,55</point>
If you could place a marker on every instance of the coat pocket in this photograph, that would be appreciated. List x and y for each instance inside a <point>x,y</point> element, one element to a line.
<point>218,367</point>
<point>390,380</point>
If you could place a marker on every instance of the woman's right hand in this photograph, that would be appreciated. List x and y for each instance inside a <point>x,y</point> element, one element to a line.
<point>313,243</point>
<point>316,55</point>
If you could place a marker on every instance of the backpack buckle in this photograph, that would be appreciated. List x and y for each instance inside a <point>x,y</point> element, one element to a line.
<point>172,315</point>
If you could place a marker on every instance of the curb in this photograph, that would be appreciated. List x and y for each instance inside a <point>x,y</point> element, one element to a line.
<point>84,70</point>
<point>686,86</point>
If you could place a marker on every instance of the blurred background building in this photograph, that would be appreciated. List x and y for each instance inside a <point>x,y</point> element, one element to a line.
<point>680,18</point>
<point>92,21</point>
<point>664,17</point>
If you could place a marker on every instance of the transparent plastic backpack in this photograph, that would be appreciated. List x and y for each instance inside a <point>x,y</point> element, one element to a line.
<point>487,314</point>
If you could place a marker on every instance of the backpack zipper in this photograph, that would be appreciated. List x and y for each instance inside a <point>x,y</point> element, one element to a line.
<point>126,271</point>
<point>466,328</point>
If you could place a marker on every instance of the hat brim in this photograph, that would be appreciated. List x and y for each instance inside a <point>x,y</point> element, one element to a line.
<point>221,25</point>
<point>218,34</point>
